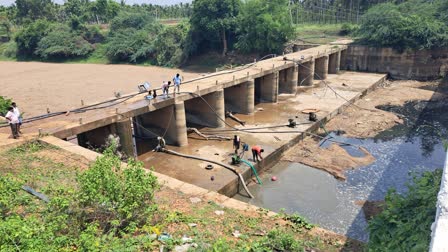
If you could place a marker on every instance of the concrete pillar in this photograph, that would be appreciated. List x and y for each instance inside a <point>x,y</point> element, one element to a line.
<point>124,131</point>
<point>269,88</point>
<point>288,80</point>
<point>321,68</point>
<point>240,98</point>
<point>168,122</point>
<point>306,73</point>
<point>178,129</point>
<point>343,61</point>
<point>208,110</point>
<point>334,63</point>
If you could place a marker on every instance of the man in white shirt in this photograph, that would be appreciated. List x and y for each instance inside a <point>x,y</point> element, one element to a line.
<point>13,121</point>
<point>177,81</point>
<point>17,112</point>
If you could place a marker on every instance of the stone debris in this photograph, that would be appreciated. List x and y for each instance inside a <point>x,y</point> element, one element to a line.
<point>236,233</point>
<point>219,212</point>
<point>192,224</point>
<point>195,200</point>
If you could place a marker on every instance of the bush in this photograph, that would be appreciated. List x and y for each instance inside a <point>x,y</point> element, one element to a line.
<point>10,50</point>
<point>405,223</point>
<point>61,43</point>
<point>27,39</point>
<point>118,196</point>
<point>4,104</point>
<point>170,45</point>
<point>402,27</point>
<point>92,33</point>
<point>129,45</point>
<point>135,20</point>
<point>347,29</point>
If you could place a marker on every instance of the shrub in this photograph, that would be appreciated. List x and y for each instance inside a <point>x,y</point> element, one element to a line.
<point>170,45</point>
<point>402,27</point>
<point>135,20</point>
<point>61,43</point>
<point>27,39</point>
<point>10,49</point>
<point>129,45</point>
<point>4,104</point>
<point>118,196</point>
<point>347,29</point>
<point>405,223</point>
<point>92,33</point>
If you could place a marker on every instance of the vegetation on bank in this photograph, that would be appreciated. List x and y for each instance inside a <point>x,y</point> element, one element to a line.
<point>412,24</point>
<point>405,223</point>
<point>79,29</point>
<point>103,206</point>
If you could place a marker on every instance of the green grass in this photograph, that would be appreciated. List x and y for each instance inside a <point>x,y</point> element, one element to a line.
<point>319,33</point>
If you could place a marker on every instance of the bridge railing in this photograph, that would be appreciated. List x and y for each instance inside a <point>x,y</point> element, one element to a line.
<point>439,236</point>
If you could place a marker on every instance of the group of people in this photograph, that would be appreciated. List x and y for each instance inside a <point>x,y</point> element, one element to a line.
<point>14,119</point>
<point>177,80</point>
<point>256,150</point>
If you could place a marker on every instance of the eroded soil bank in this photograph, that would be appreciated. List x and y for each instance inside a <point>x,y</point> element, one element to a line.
<point>398,104</point>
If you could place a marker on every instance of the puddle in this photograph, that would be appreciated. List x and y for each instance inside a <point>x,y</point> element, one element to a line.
<point>413,147</point>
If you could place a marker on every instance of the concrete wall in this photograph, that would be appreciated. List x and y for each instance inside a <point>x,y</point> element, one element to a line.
<point>306,73</point>
<point>321,68</point>
<point>266,88</point>
<point>207,111</point>
<point>439,241</point>
<point>410,64</point>
<point>288,80</point>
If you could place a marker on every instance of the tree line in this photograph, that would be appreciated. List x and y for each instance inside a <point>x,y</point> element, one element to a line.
<point>42,30</point>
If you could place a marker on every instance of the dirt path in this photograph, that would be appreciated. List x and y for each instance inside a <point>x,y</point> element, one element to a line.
<point>364,120</point>
<point>37,86</point>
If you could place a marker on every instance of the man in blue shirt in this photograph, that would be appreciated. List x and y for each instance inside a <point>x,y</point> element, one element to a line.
<point>177,81</point>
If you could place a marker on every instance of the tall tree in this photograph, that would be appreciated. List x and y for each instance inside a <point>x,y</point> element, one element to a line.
<point>264,26</point>
<point>215,20</point>
<point>34,9</point>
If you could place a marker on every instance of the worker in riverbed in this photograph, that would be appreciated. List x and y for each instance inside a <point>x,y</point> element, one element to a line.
<point>161,144</point>
<point>236,143</point>
<point>256,153</point>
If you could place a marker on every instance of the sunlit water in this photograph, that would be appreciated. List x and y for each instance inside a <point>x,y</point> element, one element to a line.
<point>329,203</point>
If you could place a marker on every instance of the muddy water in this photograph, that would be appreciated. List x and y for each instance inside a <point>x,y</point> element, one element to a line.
<point>410,148</point>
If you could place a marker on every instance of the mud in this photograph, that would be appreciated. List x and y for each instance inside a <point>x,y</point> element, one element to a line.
<point>334,159</point>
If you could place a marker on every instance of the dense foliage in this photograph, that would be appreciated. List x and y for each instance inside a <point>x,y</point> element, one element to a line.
<point>413,24</point>
<point>263,26</point>
<point>5,103</point>
<point>405,223</point>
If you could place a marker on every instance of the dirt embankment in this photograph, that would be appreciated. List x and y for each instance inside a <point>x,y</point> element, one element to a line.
<point>364,120</point>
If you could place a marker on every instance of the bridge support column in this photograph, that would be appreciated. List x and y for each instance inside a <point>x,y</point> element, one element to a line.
<point>240,98</point>
<point>168,122</point>
<point>288,80</point>
<point>178,130</point>
<point>124,131</point>
<point>208,110</point>
<point>306,73</point>
<point>321,71</point>
<point>334,63</point>
<point>343,61</point>
<point>269,88</point>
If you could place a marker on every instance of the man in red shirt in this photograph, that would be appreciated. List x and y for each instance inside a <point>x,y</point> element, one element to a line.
<point>256,152</point>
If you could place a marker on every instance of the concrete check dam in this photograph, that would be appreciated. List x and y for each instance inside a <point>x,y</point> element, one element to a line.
<point>264,93</point>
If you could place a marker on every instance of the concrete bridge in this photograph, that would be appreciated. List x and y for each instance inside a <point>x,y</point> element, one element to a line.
<point>202,101</point>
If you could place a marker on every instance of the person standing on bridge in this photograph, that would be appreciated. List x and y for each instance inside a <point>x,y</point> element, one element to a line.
<point>177,81</point>
<point>13,121</point>
<point>165,88</point>
<point>256,152</point>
